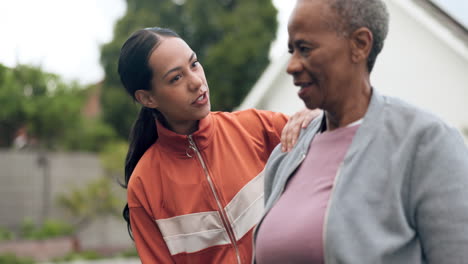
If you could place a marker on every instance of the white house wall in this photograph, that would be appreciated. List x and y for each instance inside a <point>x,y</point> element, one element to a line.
<point>420,67</point>
<point>275,90</point>
<point>416,65</point>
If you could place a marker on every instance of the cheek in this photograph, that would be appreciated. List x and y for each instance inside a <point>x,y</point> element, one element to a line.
<point>202,75</point>
<point>168,98</point>
<point>309,65</point>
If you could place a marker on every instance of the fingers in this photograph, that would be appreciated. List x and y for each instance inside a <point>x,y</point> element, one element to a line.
<point>292,136</point>
<point>284,138</point>
<point>292,129</point>
<point>310,115</point>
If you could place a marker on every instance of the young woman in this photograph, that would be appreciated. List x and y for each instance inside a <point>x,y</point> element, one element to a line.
<point>195,188</point>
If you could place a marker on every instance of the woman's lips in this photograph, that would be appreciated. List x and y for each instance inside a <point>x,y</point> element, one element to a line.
<point>201,100</point>
<point>305,88</point>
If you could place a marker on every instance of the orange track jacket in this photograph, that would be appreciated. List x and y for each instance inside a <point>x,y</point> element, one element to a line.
<point>196,198</point>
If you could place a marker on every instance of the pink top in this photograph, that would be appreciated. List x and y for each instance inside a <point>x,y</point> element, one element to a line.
<point>292,231</point>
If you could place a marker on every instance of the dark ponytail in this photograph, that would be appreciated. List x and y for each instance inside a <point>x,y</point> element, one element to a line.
<point>142,136</point>
<point>136,74</point>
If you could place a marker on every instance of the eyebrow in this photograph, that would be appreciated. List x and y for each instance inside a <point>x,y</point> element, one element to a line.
<point>295,43</point>
<point>300,41</point>
<point>178,67</point>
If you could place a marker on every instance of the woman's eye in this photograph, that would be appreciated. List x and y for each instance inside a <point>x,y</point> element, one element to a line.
<point>304,49</point>
<point>176,78</point>
<point>195,64</point>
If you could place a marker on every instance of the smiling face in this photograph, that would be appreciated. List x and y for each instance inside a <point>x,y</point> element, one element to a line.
<point>179,87</point>
<point>321,63</point>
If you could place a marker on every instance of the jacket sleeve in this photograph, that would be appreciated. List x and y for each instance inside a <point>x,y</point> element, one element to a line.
<point>148,239</point>
<point>272,124</point>
<point>439,195</point>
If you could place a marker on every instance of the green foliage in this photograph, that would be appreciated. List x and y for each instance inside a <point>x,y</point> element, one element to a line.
<point>50,229</point>
<point>40,100</point>
<point>113,158</point>
<point>95,199</point>
<point>118,110</point>
<point>5,234</point>
<point>82,255</point>
<point>90,135</point>
<point>13,259</point>
<point>230,37</point>
<point>50,109</point>
<point>27,228</point>
<point>93,255</point>
<point>130,253</point>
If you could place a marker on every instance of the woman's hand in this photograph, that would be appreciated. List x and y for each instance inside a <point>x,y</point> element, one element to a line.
<point>293,128</point>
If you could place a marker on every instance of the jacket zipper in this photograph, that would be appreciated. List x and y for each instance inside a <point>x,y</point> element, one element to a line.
<point>327,211</point>
<point>218,202</point>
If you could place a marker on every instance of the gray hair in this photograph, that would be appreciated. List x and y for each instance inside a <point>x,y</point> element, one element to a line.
<point>371,14</point>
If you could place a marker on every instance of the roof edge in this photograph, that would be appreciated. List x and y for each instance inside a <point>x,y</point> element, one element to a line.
<point>434,26</point>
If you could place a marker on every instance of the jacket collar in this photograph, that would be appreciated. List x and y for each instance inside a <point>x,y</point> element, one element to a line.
<point>365,134</point>
<point>173,142</point>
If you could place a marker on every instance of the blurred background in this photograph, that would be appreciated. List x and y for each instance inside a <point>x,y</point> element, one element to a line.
<point>65,118</point>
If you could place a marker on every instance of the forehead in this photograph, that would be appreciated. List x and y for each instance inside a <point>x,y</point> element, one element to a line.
<point>308,16</point>
<point>171,52</point>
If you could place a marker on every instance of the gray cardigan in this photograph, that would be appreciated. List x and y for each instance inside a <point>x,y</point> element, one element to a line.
<point>401,193</point>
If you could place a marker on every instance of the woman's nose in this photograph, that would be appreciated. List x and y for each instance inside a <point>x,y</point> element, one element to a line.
<point>196,81</point>
<point>294,65</point>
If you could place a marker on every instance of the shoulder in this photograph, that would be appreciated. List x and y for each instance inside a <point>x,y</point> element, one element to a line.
<point>250,114</point>
<point>136,192</point>
<point>252,119</point>
<point>147,161</point>
<point>281,164</point>
<point>411,129</point>
<point>303,142</point>
<point>414,120</point>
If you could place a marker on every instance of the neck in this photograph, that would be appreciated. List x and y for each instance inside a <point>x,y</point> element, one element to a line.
<point>183,128</point>
<point>351,109</point>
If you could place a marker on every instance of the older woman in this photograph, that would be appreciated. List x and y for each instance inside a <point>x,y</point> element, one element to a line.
<point>375,180</point>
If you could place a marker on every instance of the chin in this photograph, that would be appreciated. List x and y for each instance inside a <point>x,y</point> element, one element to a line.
<point>205,112</point>
<point>310,105</point>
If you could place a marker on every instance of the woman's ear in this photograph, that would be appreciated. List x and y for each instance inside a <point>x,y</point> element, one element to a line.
<point>146,98</point>
<point>361,44</point>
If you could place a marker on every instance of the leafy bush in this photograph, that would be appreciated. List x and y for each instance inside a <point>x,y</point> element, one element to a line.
<point>5,234</point>
<point>13,259</point>
<point>96,199</point>
<point>112,158</point>
<point>130,253</point>
<point>28,228</point>
<point>50,229</point>
<point>83,255</point>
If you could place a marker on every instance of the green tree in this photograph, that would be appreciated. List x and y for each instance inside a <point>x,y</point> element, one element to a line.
<point>231,38</point>
<point>50,110</point>
<point>39,100</point>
